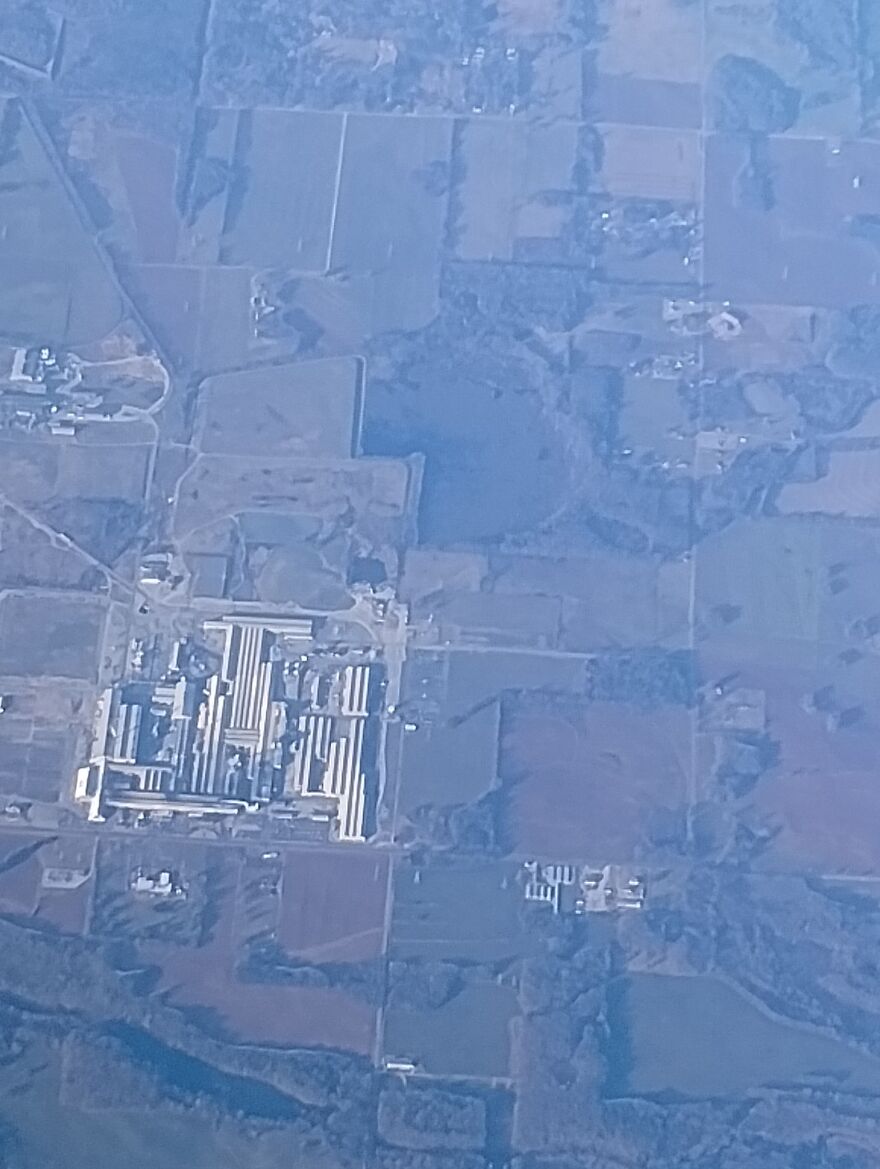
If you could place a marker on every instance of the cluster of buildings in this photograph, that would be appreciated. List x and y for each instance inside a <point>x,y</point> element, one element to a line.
<point>271,727</point>
<point>581,889</point>
<point>41,389</point>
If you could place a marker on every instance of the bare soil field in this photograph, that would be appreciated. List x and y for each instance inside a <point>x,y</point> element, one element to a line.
<point>204,979</point>
<point>799,251</point>
<point>398,167</point>
<point>49,636</point>
<point>170,297</point>
<point>642,102</point>
<point>651,163</point>
<point>285,216</point>
<point>582,785</point>
<point>659,40</point>
<point>308,408</point>
<point>56,284</point>
<point>148,170</point>
<point>850,487</point>
<point>333,905</point>
<point>467,912</point>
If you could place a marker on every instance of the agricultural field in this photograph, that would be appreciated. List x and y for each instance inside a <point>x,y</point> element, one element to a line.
<point>208,978</point>
<point>799,250</point>
<point>399,167</point>
<point>454,702</point>
<point>45,636</point>
<point>443,1040</point>
<point>651,163</point>
<point>283,214</point>
<point>470,911</point>
<point>309,409</point>
<point>591,784</point>
<point>515,177</point>
<point>56,285</point>
<point>333,906</point>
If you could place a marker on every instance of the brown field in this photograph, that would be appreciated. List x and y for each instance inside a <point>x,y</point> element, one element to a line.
<point>651,163</point>
<point>609,601</point>
<point>333,905</point>
<point>170,298</point>
<point>307,408</point>
<point>800,252</point>
<point>49,636</point>
<point>660,40</point>
<point>65,909</point>
<point>636,100</point>
<point>216,487</point>
<point>821,800</point>
<point>148,170</point>
<point>29,560</point>
<point>205,978</point>
<point>35,472</point>
<point>225,332</point>
<point>850,487</point>
<point>583,785</point>
<point>20,884</point>
<point>287,214</point>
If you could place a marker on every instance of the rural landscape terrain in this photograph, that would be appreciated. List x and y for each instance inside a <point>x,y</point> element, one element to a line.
<point>439,584</point>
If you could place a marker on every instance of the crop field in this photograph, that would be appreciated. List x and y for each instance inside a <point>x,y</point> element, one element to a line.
<point>651,163</point>
<point>169,297</point>
<point>799,251</point>
<point>660,40</point>
<point>467,1036</point>
<point>467,912</point>
<point>608,601</point>
<point>309,409</point>
<point>585,784</point>
<point>205,981</point>
<point>49,636</point>
<point>511,171</point>
<point>850,487</point>
<point>640,101</point>
<point>55,284</point>
<point>333,905</point>
<point>284,218</point>
<point>225,329</point>
<point>148,169</point>
<point>20,872</point>
<point>453,698</point>
<point>776,602</point>
<point>28,559</point>
<point>399,168</point>
<point>216,487</point>
<point>212,150</point>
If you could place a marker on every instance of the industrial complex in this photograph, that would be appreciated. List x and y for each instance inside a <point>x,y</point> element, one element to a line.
<point>252,718</point>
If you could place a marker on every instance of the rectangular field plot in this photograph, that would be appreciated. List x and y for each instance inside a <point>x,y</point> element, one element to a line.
<point>586,784</point>
<point>467,1036</point>
<point>470,912</point>
<point>283,216</point>
<point>333,905</point>
<point>49,636</point>
<point>397,167</point>
<point>308,408</point>
<point>515,176</point>
<point>241,905</point>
